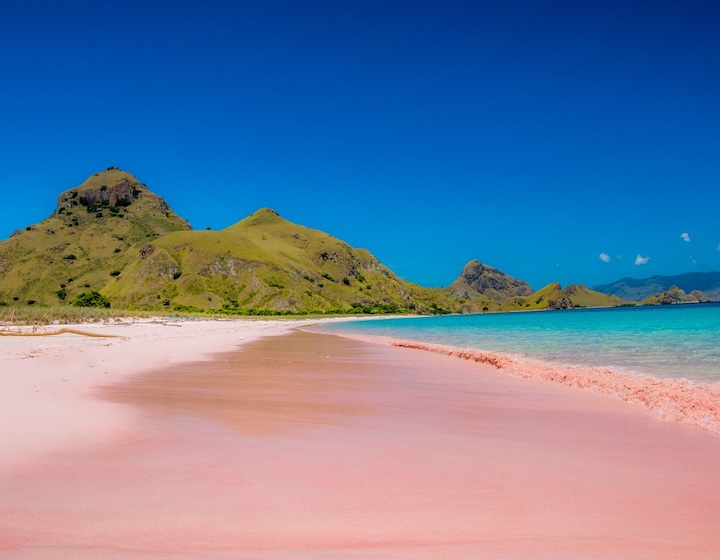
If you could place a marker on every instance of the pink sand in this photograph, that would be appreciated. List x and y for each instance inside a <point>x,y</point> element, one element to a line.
<point>315,446</point>
<point>45,382</point>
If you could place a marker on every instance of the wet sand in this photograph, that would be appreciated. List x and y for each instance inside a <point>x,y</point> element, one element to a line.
<point>315,446</point>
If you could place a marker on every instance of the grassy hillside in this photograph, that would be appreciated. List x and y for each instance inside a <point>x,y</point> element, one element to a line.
<point>265,262</point>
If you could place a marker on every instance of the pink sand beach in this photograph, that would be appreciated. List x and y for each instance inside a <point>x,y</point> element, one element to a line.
<point>250,439</point>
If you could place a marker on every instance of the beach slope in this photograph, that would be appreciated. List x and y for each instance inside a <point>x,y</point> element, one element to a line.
<point>310,445</point>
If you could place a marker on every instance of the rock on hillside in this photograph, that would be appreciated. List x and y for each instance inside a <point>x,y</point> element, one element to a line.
<point>489,282</point>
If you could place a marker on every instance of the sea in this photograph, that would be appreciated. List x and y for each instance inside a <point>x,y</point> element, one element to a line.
<point>666,358</point>
<point>669,341</point>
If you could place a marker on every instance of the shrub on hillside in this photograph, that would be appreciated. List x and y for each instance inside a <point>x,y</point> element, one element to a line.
<point>91,299</point>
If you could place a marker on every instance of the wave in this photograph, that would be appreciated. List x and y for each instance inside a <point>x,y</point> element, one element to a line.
<point>680,400</point>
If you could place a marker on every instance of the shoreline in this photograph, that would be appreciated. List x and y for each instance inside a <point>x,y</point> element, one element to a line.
<point>51,393</point>
<point>309,446</point>
<point>671,399</point>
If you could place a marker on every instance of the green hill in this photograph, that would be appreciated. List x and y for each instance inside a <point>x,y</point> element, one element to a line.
<point>265,262</point>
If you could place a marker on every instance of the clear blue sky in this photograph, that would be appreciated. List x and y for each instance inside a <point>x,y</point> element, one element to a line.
<point>533,136</point>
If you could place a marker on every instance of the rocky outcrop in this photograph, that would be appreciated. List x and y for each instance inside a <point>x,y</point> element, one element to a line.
<point>676,295</point>
<point>562,302</point>
<point>699,296</point>
<point>120,194</point>
<point>488,281</point>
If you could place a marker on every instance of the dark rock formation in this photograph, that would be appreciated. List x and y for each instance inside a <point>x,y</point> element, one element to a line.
<point>146,251</point>
<point>490,282</point>
<point>563,302</point>
<point>120,194</point>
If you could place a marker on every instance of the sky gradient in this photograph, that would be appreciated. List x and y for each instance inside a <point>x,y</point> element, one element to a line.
<point>558,141</point>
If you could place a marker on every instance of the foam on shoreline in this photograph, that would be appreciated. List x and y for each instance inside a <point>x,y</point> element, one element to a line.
<point>677,400</point>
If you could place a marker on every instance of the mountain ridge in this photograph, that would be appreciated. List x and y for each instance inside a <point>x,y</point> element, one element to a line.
<point>114,236</point>
<point>639,289</point>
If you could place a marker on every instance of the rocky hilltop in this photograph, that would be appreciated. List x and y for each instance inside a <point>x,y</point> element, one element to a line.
<point>488,281</point>
<point>90,234</point>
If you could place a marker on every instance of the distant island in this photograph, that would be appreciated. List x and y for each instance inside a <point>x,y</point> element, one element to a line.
<point>632,289</point>
<point>113,242</point>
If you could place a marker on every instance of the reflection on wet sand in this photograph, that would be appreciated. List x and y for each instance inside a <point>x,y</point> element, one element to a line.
<point>263,388</point>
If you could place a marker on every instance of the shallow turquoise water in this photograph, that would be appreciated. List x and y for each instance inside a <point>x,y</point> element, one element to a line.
<point>663,341</point>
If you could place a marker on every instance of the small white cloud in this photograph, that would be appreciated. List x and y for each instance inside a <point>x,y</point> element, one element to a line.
<point>685,237</point>
<point>604,257</point>
<point>641,260</point>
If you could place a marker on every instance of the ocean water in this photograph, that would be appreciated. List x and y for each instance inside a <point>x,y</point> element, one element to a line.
<point>676,341</point>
